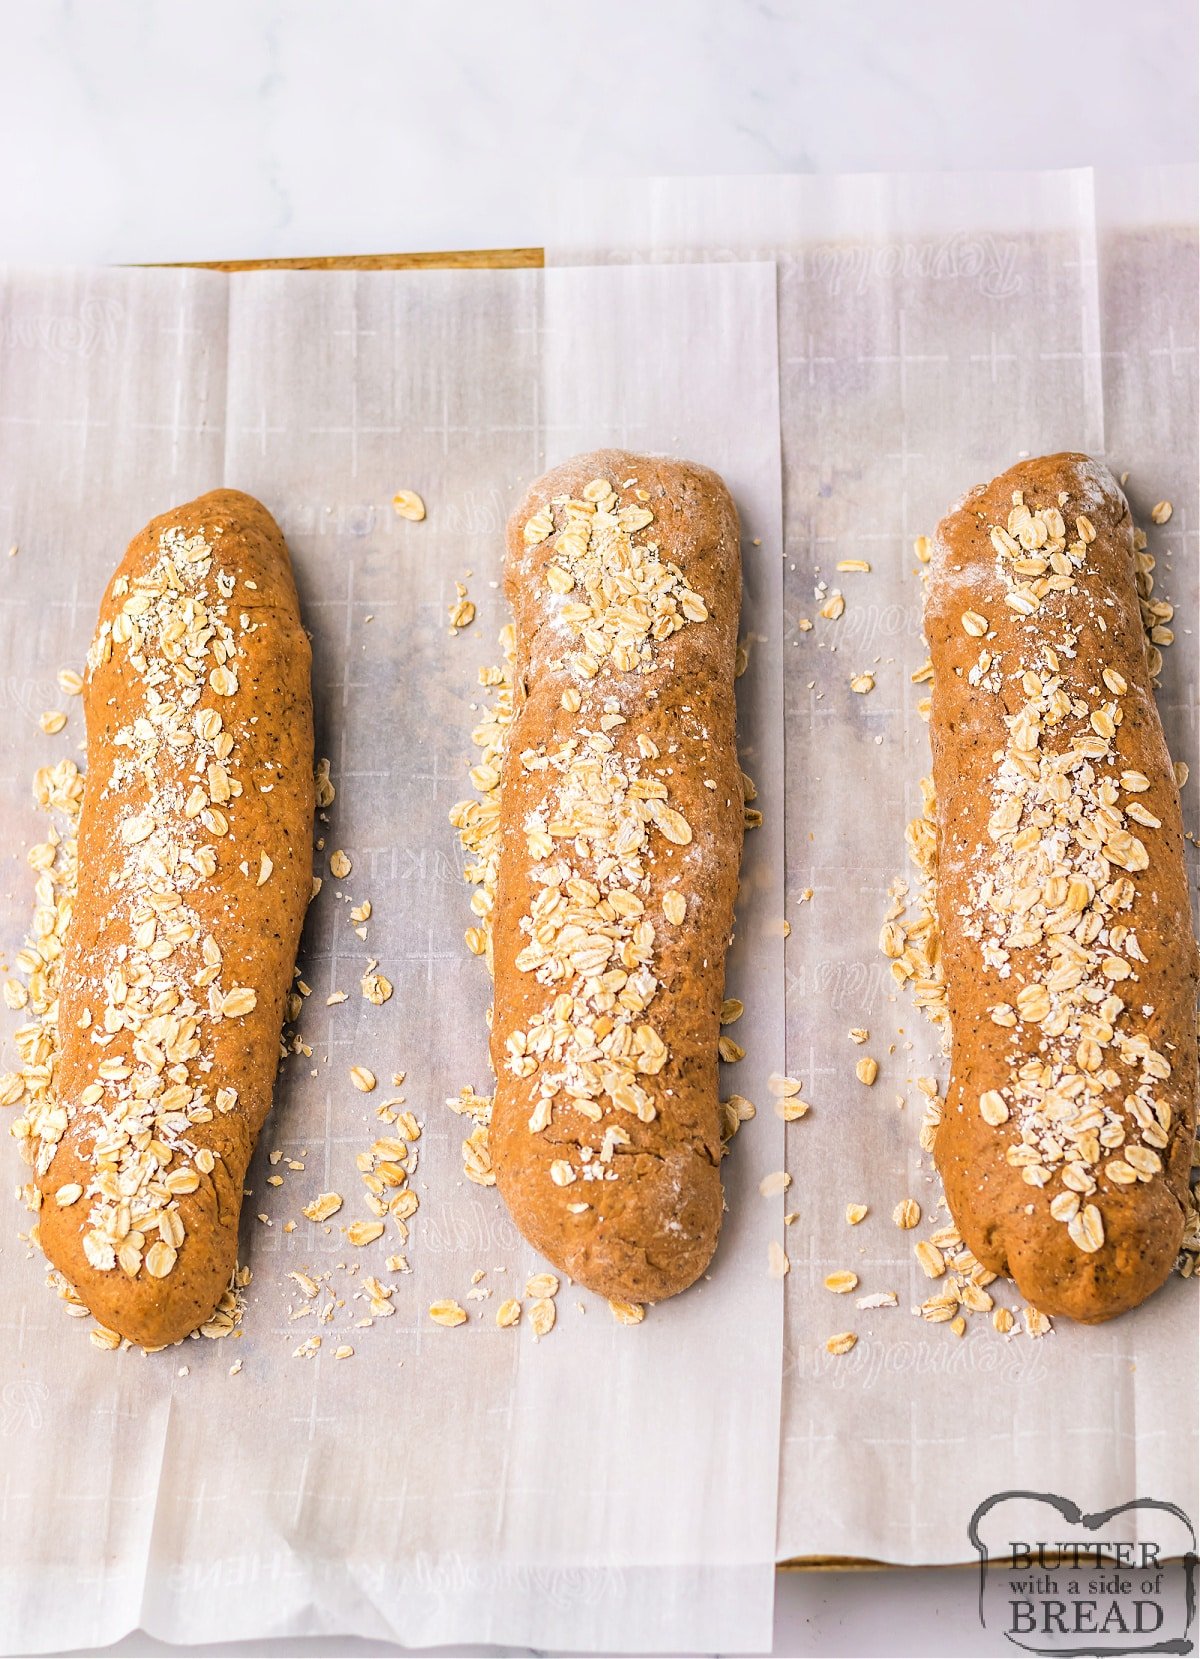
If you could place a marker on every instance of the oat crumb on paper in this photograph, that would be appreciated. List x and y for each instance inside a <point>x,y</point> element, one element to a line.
<point>462,611</point>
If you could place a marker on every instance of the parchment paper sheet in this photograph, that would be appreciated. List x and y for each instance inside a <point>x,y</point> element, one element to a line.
<point>608,1488</point>
<point>931,331</point>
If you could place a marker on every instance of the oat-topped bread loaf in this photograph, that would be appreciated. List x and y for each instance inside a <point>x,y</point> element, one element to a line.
<point>195,869</point>
<point>621,831</point>
<point>1062,899</point>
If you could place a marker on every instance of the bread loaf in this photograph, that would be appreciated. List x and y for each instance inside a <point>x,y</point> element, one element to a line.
<point>621,824</point>
<point>194,873</point>
<point>1062,900</point>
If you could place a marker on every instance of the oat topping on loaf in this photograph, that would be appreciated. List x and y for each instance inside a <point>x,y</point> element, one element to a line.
<point>1058,878</point>
<point>589,931</point>
<point>172,628</point>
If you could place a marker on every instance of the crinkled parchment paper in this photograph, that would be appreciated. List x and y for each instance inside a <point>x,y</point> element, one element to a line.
<point>932,330</point>
<point>604,1487</point>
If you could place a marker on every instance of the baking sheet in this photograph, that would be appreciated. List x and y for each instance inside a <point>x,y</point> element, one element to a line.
<point>604,1487</point>
<point>931,331</point>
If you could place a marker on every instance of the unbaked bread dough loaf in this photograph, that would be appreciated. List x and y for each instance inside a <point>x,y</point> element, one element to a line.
<point>195,870</point>
<point>621,826</point>
<point>1062,899</point>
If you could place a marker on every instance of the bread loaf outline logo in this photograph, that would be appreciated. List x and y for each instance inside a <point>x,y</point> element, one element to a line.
<point>1057,1580</point>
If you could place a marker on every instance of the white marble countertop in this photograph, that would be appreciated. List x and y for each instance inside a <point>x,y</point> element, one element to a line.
<point>131,131</point>
<point>251,128</point>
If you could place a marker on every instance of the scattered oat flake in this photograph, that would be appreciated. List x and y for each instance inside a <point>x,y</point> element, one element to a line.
<point>542,1317</point>
<point>52,722</point>
<point>878,1299</point>
<point>841,1343</point>
<point>541,1286</point>
<point>508,1313</point>
<point>841,1282</point>
<point>362,1078</point>
<point>344,1352</point>
<point>627,1313</point>
<point>408,504</point>
<point>364,1232</point>
<point>1161,511</point>
<point>867,1070</point>
<point>771,1186</point>
<point>862,683</point>
<point>792,1109</point>
<point>448,1314</point>
<point>855,1213</point>
<point>339,865</point>
<point>907,1213</point>
<point>321,1208</point>
<point>778,1265</point>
